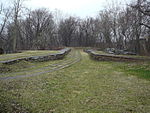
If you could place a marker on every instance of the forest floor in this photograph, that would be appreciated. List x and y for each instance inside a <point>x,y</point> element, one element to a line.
<point>88,86</point>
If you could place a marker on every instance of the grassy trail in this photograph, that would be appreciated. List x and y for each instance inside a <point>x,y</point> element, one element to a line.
<point>85,87</point>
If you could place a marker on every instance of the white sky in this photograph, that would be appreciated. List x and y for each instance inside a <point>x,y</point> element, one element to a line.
<point>80,8</point>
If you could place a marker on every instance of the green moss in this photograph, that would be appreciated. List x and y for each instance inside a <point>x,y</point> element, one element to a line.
<point>142,73</point>
<point>141,70</point>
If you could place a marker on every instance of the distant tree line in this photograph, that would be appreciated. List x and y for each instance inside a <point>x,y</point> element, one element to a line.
<point>122,28</point>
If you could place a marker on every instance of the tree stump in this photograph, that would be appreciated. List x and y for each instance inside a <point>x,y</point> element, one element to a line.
<point>1,51</point>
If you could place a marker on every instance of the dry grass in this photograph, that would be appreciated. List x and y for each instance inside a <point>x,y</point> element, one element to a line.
<point>86,87</point>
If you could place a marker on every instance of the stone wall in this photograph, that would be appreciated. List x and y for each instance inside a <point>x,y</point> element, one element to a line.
<point>107,57</point>
<point>56,56</point>
<point>60,55</point>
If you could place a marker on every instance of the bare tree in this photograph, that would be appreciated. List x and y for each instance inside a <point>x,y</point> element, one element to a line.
<point>17,7</point>
<point>117,27</point>
<point>106,23</point>
<point>143,7</point>
<point>39,29</point>
<point>4,17</point>
<point>67,29</point>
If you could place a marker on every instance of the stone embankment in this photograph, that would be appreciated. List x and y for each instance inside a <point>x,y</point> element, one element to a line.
<point>60,55</point>
<point>110,57</point>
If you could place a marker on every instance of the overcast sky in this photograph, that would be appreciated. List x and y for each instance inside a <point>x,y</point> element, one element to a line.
<point>80,8</point>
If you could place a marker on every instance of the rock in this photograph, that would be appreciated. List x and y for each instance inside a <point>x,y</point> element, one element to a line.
<point>118,51</point>
<point>129,53</point>
<point>110,50</point>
